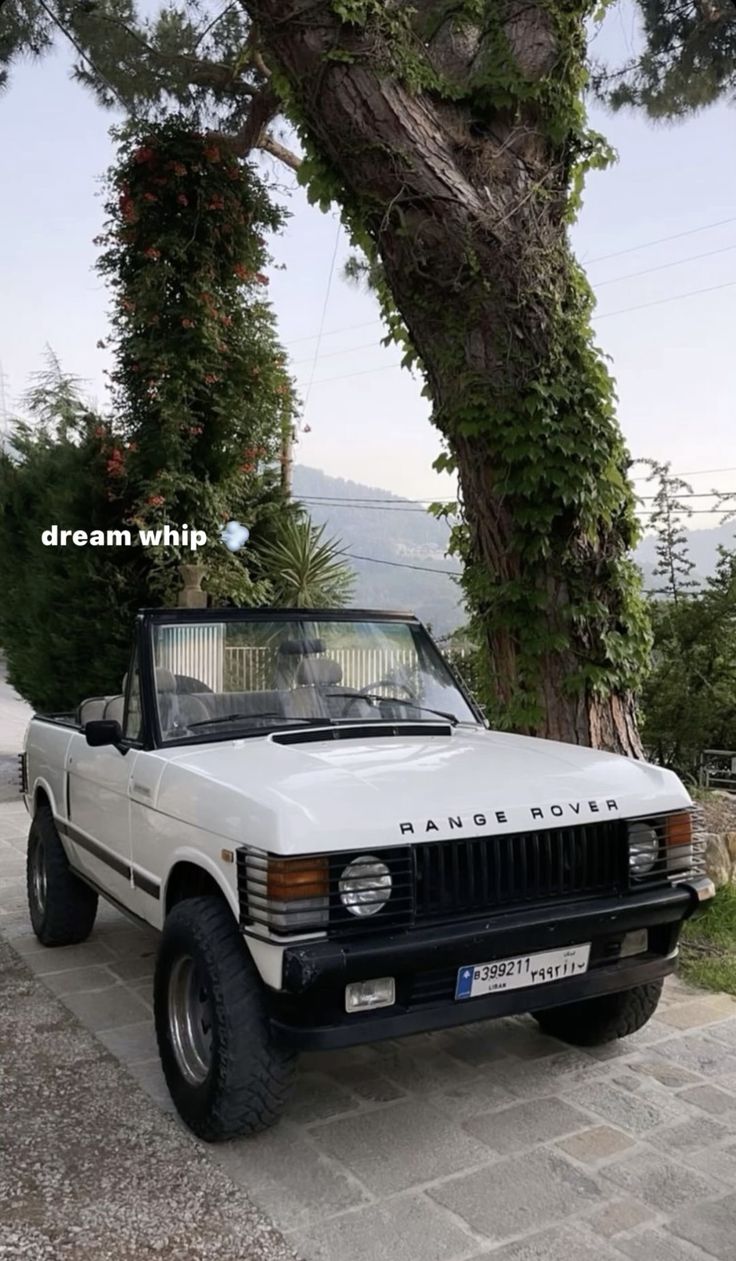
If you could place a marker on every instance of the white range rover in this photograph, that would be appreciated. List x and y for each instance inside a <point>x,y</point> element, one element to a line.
<point>336,849</point>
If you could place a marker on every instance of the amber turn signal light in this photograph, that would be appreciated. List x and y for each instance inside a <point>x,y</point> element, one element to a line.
<point>679,829</point>
<point>292,879</point>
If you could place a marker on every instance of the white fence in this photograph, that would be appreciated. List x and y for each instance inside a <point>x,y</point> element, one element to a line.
<point>201,653</point>
<point>256,669</point>
<point>718,769</point>
<point>196,651</point>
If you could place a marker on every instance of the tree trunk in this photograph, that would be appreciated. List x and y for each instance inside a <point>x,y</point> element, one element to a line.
<point>452,144</point>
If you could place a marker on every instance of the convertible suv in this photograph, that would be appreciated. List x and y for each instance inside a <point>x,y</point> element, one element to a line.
<point>336,849</point>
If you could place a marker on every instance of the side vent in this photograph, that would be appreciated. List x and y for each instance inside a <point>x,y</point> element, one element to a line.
<point>22,774</point>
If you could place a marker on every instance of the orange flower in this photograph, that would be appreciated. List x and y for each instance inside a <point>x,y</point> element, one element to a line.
<point>144,154</point>
<point>156,501</point>
<point>212,153</point>
<point>187,323</point>
<point>152,252</point>
<point>217,202</point>
<point>178,168</point>
<point>150,197</point>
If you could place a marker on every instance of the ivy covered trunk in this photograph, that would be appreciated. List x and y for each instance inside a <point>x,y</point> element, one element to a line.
<point>454,138</point>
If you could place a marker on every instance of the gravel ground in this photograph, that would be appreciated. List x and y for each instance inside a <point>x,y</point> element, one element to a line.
<point>124,1182</point>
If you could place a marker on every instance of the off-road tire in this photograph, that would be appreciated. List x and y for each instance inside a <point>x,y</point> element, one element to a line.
<point>65,914</point>
<point>595,1021</point>
<point>251,1073</point>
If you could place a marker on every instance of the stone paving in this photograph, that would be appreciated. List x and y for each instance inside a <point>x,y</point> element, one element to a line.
<point>489,1141</point>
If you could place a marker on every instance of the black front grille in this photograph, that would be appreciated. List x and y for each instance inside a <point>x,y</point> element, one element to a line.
<point>462,877</point>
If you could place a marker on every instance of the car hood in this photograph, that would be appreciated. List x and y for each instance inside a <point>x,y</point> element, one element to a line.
<point>360,792</point>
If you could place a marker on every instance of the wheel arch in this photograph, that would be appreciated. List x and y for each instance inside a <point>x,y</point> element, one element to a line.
<point>192,876</point>
<point>43,795</point>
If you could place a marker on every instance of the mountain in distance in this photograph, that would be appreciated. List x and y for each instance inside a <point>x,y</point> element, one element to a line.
<point>395,530</point>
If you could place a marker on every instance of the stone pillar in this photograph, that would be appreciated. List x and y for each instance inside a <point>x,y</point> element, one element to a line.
<point>191,595</point>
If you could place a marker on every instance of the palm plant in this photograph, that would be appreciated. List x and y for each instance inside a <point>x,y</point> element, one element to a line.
<point>305,569</point>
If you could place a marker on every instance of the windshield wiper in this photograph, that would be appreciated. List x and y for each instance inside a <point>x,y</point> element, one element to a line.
<point>395,700</point>
<point>212,722</point>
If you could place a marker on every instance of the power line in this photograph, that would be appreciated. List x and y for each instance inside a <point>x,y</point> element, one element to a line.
<point>346,328</point>
<point>397,564</point>
<point>80,51</point>
<point>402,505</point>
<point>647,271</point>
<point>318,343</point>
<point>363,372</point>
<point>645,512</point>
<point>645,245</point>
<point>675,297</point>
<point>373,345</point>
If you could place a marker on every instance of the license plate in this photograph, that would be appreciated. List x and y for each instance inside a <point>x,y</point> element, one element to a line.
<point>522,971</point>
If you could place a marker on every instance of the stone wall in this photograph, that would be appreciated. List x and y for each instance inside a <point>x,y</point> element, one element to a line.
<point>720,857</point>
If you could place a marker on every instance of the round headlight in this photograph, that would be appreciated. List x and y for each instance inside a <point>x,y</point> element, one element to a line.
<point>365,885</point>
<point>643,848</point>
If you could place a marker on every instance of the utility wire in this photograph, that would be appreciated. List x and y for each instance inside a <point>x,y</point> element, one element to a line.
<point>397,564</point>
<point>675,297</point>
<point>632,275</point>
<point>600,258</point>
<point>401,505</point>
<point>80,51</point>
<point>605,315</point>
<point>645,245</point>
<point>328,290</point>
<point>678,262</point>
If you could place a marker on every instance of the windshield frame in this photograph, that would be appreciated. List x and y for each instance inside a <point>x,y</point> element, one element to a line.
<point>149,619</point>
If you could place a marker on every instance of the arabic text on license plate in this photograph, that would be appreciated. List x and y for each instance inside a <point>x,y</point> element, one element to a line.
<point>522,971</point>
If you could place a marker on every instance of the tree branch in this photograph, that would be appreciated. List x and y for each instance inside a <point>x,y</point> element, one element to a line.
<point>269,144</point>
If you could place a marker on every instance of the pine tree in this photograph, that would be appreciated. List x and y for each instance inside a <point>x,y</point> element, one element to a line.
<point>688,59</point>
<point>668,517</point>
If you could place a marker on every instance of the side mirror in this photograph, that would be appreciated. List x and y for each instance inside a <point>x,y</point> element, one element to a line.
<point>100,731</point>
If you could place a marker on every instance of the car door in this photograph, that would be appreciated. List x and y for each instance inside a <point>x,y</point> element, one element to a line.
<point>99,783</point>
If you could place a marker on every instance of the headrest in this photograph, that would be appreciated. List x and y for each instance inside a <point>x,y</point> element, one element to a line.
<point>317,672</point>
<point>301,647</point>
<point>165,680</point>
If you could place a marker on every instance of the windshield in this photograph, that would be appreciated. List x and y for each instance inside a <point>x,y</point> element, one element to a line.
<point>221,677</point>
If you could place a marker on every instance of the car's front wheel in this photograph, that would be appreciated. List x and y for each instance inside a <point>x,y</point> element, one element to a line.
<point>62,907</point>
<point>226,1073</point>
<point>595,1021</point>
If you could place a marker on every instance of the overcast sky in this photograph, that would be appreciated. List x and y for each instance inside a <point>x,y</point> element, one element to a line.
<point>674,362</point>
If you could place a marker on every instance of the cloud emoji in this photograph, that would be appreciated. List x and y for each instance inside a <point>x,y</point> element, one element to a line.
<point>234,535</point>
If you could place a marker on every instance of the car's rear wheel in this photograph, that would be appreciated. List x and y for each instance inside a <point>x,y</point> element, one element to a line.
<point>595,1021</point>
<point>62,907</point>
<point>227,1074</point>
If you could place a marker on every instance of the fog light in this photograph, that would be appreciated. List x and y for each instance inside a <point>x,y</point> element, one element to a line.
<point>636,943</point>
<point>365,995</point>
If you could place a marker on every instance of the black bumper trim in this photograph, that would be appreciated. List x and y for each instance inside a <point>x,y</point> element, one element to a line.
<point>539,928</point>
<point>387,1024</point>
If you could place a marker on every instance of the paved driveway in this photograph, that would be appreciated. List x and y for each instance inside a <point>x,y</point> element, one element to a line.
<point>489,1141</point>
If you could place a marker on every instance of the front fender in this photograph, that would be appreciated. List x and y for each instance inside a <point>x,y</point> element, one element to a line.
<point>196,858</point>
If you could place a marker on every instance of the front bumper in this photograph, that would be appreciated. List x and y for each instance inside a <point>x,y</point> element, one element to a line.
<point>309,1011</point>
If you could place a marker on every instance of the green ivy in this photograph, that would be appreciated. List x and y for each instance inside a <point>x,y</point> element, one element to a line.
<point>554,444</point>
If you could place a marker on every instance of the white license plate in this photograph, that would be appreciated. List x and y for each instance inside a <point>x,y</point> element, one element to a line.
<point>522,971</point>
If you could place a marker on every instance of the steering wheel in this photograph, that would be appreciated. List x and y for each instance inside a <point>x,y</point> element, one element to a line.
<point>393,683</point>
